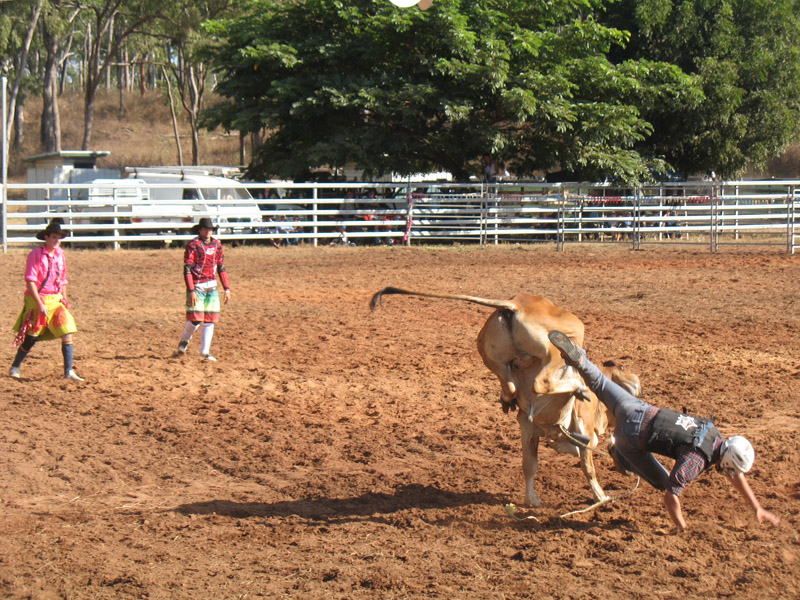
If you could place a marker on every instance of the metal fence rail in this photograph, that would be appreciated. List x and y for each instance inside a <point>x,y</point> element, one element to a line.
<point>712,213</point>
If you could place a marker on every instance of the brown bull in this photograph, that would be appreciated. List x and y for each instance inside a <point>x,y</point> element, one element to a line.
<point>533,376</point>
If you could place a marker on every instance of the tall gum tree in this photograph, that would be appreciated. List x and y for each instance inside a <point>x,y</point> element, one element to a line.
<point>180,27</point>
<point>132,17</point>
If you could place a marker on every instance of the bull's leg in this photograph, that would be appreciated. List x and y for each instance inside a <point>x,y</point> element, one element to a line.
<point>508,391</point>
<point>530,456</point>
<point>587,466</point>
<point>497,352</point>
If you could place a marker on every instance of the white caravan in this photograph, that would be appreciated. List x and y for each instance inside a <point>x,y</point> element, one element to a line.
<point>169,199</point>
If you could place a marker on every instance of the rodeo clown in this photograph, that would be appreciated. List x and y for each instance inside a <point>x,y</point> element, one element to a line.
<point>643,429</point>
<point>202,260</point>
<point>45,313</point>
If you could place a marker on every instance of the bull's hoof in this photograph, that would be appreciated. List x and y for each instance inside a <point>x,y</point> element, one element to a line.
<point>508,406</point>
<point>533,502</point>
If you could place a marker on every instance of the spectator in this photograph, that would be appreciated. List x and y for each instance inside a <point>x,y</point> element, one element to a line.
<point>273,230</point>
<point>385,228</point>
<point>616,223</point>
<point>45,312</point>
<point>342,239</point>
<point>669,221</point>
<point>286,229</point>
<point>369,216</point>
<point>489,169</point>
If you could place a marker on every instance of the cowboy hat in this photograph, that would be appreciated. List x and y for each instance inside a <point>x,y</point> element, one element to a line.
<point>204,222</point>
<point>53,227</point>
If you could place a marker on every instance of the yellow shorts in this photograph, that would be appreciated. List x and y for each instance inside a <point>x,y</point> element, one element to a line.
<point>60,321</point>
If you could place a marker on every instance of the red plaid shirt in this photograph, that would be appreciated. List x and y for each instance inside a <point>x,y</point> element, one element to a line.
<point>203,261</point>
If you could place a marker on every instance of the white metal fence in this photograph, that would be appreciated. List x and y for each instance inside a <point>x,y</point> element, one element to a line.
<point>711,213</point>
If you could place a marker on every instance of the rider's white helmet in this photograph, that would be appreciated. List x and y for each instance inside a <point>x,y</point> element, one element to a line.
<point>736,454</point>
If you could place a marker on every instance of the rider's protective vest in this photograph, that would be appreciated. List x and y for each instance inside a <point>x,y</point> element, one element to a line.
<point>672,429</point>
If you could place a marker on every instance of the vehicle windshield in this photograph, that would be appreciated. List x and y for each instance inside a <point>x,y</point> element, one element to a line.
<point>226,194</point>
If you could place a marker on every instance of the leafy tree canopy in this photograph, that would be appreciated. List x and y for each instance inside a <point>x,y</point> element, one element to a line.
<point>390,89</point>
<point>746,56</point>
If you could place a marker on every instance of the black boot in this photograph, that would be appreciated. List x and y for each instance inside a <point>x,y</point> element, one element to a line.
<point>571,353</point>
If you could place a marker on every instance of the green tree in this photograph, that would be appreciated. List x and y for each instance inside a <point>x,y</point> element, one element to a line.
<point>17,25</point>
<point>746,56</point>
<point>408,91</point>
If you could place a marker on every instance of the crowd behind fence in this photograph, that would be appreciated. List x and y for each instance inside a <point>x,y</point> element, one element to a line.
<point>711,213</point>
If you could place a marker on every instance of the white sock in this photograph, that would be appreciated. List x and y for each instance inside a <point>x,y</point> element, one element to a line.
<point>188,331</point>
<point>206,333</point>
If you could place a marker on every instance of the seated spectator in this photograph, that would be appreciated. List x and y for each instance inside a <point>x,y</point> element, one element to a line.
<point>369,205</point>
<point>342,239</point>
<point>286,228</point>
<point>270,228</point>
<point>669,221</point>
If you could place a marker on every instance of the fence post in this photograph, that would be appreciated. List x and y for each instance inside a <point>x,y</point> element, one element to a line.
<point>114,199</point>
<point>714,221</point>
<point>4,165</point>
<point>315,217</point>
<point>636,219</point>
<point>560,221</point>
<point>496,210</point>
<point>791,220</point>
<point>409,215</point>
<point>482,223</point>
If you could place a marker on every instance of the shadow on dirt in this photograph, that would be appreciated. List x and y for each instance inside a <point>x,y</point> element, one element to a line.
<point>344,509</point>
<point>375,507</point>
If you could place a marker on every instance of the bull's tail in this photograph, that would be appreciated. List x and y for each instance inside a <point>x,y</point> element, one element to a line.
<point>377,299</point>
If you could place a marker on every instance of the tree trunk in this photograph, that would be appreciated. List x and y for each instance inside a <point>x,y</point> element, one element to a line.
<point>50,136</point>
<point>63,57</point>
<point>195,144</point>
<point>88,113</point>
<point>143,76</point>
<point>85,58</point>
<point>195,99</point>
<point>174,116</point>
<point>108,52</point>
<point>23,59</point>
<point>121,83</point>
<point>126,58</point>
<point>19,126</point>
<point>56,115</point>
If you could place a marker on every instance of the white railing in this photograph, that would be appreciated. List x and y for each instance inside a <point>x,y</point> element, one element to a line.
<point>793,237</point>
<point>713,213</point>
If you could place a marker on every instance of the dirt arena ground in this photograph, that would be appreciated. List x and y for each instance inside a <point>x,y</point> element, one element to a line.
<point>334,453</point>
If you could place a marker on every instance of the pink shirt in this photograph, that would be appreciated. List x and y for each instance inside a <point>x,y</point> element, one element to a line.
<point>50,271</point>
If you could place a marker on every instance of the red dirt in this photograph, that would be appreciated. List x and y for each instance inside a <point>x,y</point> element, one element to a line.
<point>334,453</point>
